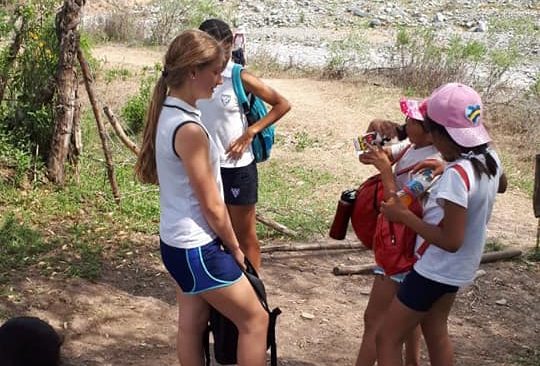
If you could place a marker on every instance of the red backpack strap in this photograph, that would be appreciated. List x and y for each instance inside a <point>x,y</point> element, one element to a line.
<point>423,247</point>
<point>463,175</point>
<point>401,153</point>
<point>398,158</point>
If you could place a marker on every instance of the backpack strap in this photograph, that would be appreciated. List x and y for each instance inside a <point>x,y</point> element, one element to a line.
<point>272,335</point>
<point>206,345</point>
<point>398,158</point>
<point>422,248</point>
<point>238,88</point>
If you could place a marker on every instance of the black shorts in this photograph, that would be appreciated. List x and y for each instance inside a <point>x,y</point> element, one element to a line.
<point>420,293</point>
<point>240,185</point>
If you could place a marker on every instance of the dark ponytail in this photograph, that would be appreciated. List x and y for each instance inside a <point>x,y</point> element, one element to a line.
<point>489,168</point>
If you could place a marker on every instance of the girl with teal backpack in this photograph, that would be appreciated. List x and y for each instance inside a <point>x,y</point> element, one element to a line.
<point>236,118</point>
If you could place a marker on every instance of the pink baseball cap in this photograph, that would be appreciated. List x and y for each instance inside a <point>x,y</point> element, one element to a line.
<point>411,108</point>
<point>458,108</point>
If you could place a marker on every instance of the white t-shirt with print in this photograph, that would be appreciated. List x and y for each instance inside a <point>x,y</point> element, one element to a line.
<point>223,117</point>
<point>458,269</point>
<point>412,157</point>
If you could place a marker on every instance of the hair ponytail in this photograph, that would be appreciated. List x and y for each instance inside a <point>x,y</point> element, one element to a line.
<point>489,167</point>
<point>145,168</point>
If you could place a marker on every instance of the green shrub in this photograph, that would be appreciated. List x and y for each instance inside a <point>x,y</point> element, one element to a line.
<point>173,16</point>
<point>29,114</point>
<point>344,54</point>
<point>134,111</point>
<point>15,159</point>
<point>426,63</point>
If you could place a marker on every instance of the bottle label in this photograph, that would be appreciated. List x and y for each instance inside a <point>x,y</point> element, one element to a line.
<point>415,188</point>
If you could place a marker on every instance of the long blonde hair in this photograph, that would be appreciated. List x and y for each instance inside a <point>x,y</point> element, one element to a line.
<point>189,50</point>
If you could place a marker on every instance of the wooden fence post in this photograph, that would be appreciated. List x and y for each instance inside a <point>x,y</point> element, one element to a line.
<point>87,76</point>
<point>536,199</point>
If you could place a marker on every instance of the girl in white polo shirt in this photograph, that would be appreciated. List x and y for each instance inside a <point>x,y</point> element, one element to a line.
<point>226,123</point>
<point>454,224</point>
<point>198,244</point>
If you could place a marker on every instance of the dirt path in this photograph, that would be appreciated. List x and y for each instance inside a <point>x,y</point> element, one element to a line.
<point>128,317</point>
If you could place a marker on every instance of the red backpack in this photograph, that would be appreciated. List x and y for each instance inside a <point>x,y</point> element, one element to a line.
<point>394,242</point>
<point>366,206</point>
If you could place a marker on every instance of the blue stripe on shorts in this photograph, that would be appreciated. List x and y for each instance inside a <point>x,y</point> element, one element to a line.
<point>200,269</point>
<point>398,277</point>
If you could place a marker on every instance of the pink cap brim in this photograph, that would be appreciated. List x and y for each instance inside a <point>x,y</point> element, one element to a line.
<point>469,137</point>
<point>411,108</point>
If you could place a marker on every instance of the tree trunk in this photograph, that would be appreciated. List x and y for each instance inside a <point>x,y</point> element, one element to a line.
<point>67,21</point>
<point>14,48</point>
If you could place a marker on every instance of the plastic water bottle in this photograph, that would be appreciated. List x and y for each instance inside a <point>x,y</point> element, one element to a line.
<point>418,184</point>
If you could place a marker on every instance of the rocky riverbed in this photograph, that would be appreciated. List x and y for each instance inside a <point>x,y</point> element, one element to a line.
<point>304,32</point>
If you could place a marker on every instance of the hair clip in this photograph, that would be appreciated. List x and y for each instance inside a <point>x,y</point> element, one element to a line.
<point>468,155</point>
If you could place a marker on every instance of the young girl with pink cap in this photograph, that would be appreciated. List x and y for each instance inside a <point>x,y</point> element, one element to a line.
<point>405,156</point>
<point>453,226</point>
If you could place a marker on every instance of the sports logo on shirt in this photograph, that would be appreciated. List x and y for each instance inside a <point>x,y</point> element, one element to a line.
<point>472,112</point>
<point>225,99</point>
<point>235,192</point>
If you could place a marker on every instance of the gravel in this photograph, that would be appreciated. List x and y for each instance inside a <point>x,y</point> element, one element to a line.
<point>301,32</point>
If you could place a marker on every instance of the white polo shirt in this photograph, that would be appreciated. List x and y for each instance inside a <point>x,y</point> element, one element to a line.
<point>182,223</point>
<point>223,118</point>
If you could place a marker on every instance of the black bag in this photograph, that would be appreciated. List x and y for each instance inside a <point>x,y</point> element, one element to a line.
<point>226,334</point>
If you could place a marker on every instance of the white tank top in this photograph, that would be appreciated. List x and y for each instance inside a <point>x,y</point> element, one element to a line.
<point>223,118</point>
<point>182,223</point>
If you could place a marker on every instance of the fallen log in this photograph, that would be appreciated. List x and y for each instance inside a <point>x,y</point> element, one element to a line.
<point>503,254</point>
<point>292,247</point>
<point>344,270</point>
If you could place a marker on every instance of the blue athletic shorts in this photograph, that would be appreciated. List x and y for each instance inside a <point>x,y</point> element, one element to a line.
<point>398,277</point>
<point>200,269</point>
<point>240,185</point>
<point>420,293</point>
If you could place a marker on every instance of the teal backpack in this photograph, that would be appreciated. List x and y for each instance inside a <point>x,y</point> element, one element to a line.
<point>254,109</point>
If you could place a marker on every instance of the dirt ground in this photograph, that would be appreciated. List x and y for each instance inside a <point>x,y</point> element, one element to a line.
<point>128,316</point>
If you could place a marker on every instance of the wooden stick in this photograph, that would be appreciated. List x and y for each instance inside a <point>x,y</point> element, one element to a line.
<point>342,270</point>
<point>120,131</point>
<point>101,128</point>
<point>275,225</point>
<point>292,247</point>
